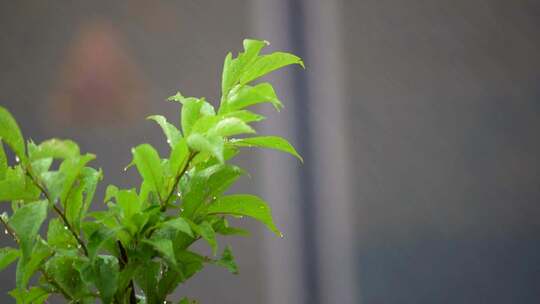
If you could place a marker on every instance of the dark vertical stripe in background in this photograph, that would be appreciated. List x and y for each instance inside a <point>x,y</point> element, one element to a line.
<point>304,141</point>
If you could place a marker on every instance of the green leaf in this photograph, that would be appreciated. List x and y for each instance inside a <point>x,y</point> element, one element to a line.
<point>269,142</point>
<point>268,63</point>
<point>230,74</point>
<point>73,205</point>
<point>227,260</point>
<point>26,222</point>
<point>41,166</point>
<point>178,224</point>
<point>26,269</point>
<point>244,115</point>
<point>35,295</point>
<point>105,270</point>
<point>148,164</point>
<point>129,202</point>
<point>64,269</point>
<point>192,110</point>
<point>233,68</point>
<point>170,131</point>
<point>17,186</point>
<point>59,236</point>
<point>230,126</point>
<point>147,277</point>
<point>90,177</point>
<point>3,161</point>
<point>110,193</point>
<point>211,144</point>
<point>97,239</point>
<point>54,148</point>
<point>244,96</point>
<point>206,231</point>
<point>221,178</point>
<point>179,156</point>
<point>244,205</point>
<point>190,263</point>
<point>11,134</point>
<point>8,255</point>
<point>165,249</point>
<point>70,169</point>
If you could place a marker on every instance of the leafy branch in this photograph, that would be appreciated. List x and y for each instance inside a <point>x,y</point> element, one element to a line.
<point>143,241</point>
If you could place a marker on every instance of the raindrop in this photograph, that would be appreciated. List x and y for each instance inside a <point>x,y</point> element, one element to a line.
<point>16,158</point>
<point>65,227</point>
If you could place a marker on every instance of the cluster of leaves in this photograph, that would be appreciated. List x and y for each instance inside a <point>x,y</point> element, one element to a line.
<point>138,249</point>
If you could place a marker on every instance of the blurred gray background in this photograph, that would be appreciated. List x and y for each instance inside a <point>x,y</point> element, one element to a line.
<point>418,121</point>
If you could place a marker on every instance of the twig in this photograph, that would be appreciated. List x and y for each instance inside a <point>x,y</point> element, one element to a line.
<point>58,211</point>
<point>177,180</point>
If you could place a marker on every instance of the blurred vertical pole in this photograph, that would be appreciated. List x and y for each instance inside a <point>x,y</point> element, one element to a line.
<point>315,263</point>
<point>334,228</point>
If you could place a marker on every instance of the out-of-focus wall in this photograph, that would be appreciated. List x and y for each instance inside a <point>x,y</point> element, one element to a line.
<point>444,114</point>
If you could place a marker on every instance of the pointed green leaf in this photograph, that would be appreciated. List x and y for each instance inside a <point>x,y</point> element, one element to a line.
<point>54,148</point>
<point>148,164</point>
<point>27,268</point>
<point>64,269</point>
<point>110,193</point>
<point>268,63</point>
<point>3,161</point>
<point>105,270</point>
<point>269,142</point>
<point>26,222</point>
<point>212,144</point>
<point>97,240</point>
<point>8,255</point>
<point>11,134</point>
<point>227,260</point>
<point>244,205</point>
<point>17,186</point>
<point>245,116</point>
<point>245,96</point>
<point>233,68</point>
<point>129,202</point>
<point>231,126</point>
<point>178,224</point>
<point>165,249</point>
<point>192,111</point>
<point>90,177</point>
<point>146,278</point>
<point>59,236</point>
<point>178,158</point>
<point>70,169</point>
<point>206,231</point>
<point>35,295</point>
<point>170,131</point>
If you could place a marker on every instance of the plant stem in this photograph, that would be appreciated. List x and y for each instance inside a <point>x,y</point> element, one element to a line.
<point>9,230</point>
<point>177,180</point>
<point>124,260</point>
<point>58,211</point>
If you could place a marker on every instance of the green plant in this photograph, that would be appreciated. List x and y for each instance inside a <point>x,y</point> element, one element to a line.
<point>141,242</point>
